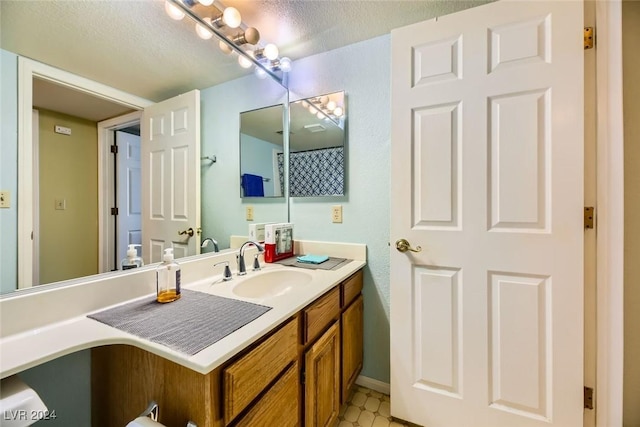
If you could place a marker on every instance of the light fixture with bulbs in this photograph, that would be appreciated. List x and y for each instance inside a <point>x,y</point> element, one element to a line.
<point>227,26</point>
<point>328,107</point>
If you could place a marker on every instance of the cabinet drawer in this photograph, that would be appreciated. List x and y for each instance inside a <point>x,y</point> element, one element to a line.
<point>250,375</point>
<point>319,314</point>
<point>351,288</point>
<point>277,407</point>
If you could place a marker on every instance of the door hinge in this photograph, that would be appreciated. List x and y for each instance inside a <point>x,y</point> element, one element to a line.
<point>589,213</point>
<point>114,149</point>
<point>588,38</point>
<point>588,398</point>
<point>114,211</point>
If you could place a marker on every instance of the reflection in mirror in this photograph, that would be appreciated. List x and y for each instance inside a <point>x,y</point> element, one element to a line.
<point>317,146</point>
<point>222,213</point>
<point>261,145</point>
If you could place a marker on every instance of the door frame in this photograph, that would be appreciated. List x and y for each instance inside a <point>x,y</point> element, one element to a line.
<point>29,69</point>
<point>610,215</point>
<point>106,193</point>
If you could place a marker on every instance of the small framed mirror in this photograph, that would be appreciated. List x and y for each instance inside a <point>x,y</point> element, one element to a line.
<point>317,143</point>
<point>261,152</point>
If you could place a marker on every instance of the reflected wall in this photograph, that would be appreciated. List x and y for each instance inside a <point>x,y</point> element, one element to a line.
<point>223,210</point>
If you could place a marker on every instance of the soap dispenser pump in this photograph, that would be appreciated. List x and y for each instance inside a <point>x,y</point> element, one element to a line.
<point>168,278</point>
<point>132,260</point>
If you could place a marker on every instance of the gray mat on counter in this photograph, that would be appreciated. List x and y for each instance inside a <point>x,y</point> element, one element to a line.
<point>187,325</point>
<point>330,264</point>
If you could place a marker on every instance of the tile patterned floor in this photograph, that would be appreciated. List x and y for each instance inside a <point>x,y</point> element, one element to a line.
<point>367,408</point>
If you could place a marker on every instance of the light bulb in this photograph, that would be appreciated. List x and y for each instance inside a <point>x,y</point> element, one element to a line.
<point>320,115</point>
<point>173,11</point>
<point>270,51</point>
<point>205,2</point>
<point>244,62</point>
<point>260,73</point>
<point>231,17</point>
<point>305,104</point>
<point>338,111</point>
<point>285,64</point>
<point>312,109</point>
<point>331,105</point>
<point>224,47</point>
<point>203,32</point>
<point>324,100</point>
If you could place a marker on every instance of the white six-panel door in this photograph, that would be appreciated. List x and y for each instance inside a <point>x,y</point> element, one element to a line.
<point>129,196</point>
<point>487,178</point>
<point>170,132</point>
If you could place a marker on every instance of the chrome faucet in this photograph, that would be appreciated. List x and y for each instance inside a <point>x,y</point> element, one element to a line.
<point>206,241</point>
<point>242,270</point>
<point>226,276</point>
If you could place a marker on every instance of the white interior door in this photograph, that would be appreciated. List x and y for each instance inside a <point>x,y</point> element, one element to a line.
<point>129,192</point>
<point>487,177</point>
<point>170,150</point>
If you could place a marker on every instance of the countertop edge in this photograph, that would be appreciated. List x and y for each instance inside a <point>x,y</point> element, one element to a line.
<point>81,333</point>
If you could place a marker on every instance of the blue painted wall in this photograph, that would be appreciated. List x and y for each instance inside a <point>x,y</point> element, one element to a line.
<point>9,169</point>
<point>363,71</point>
<point>222,207</point>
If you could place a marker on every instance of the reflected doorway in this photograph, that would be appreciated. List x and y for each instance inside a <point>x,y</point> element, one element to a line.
<point>66,181</point>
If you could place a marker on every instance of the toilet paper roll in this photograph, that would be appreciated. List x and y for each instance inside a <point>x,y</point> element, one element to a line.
<point>144,422</point>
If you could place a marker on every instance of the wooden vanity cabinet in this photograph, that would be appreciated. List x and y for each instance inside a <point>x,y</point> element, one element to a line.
<point>297,375</point>
<point>245,378</point>
<point>333,361</point>
<point>352,346</point>
<point>125,379</point>
<point>322,379</point>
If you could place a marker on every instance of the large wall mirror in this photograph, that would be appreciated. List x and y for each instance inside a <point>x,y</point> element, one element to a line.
<point>317,146</point>
<point>261,152</point>
<point>222,210</point>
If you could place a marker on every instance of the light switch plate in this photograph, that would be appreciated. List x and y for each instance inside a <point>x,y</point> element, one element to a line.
<point>63,130</point>
<point>5,199</point>
<point>249,213</point>
<point>336,213</point>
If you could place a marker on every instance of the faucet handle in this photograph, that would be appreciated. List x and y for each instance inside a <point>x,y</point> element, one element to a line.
<point>256,263</point>
<point>226,276</point>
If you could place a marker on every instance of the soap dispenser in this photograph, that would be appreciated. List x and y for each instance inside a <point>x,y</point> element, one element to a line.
<point>168,278</point>
<point>132,260</point>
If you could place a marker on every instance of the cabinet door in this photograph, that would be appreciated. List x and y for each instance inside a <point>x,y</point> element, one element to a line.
<point>352,331</point>
<point>322,379</point>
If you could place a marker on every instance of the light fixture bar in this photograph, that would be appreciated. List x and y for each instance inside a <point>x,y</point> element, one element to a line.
<point>187,11</point>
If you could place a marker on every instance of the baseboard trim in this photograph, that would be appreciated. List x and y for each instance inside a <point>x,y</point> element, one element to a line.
<point>373,384</point>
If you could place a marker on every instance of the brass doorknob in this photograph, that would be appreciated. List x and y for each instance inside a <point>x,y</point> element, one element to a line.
<point>403,245</point>
<point>188,232</point>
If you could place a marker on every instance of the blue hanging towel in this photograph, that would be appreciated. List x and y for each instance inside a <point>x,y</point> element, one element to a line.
<point>252,185</point>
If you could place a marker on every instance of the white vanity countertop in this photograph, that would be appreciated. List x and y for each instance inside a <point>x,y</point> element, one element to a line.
<point>49,341</point>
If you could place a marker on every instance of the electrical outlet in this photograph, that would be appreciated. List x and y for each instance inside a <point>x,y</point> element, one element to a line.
<point>5,199</point>
<point>249,213</point>
<point>61,204</point>
<point>336,213</point>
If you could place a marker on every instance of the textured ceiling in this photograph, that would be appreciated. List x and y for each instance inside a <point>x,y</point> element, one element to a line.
<point>135,47</point>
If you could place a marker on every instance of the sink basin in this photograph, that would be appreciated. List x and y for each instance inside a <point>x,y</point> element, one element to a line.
<point>271,283</point>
